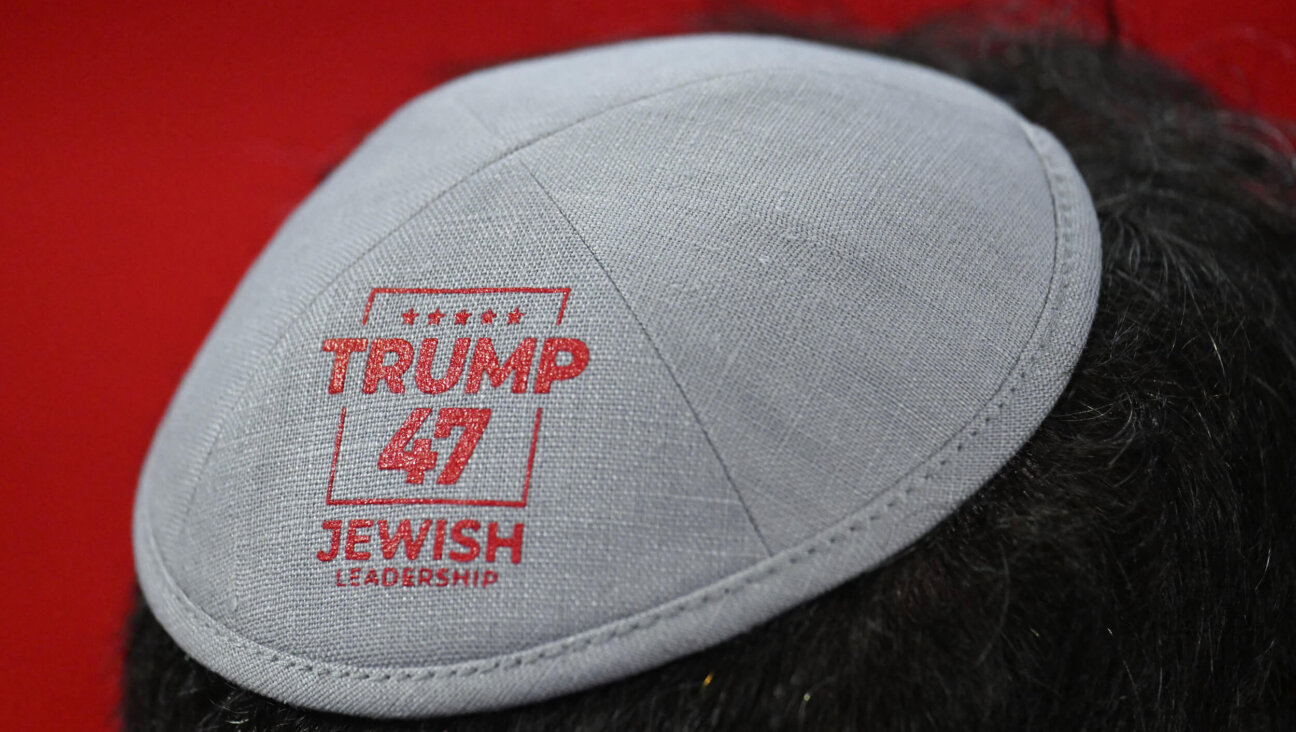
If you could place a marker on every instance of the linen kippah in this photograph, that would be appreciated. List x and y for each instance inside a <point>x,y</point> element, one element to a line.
<point>582,364</point>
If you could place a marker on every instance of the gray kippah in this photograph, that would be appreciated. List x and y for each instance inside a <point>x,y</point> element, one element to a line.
<point>582,364</point>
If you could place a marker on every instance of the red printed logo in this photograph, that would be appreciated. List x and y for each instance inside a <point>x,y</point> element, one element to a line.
<point>462,377</point>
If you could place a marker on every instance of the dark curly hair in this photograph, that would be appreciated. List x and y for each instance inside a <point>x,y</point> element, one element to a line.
<point>1133,567</point>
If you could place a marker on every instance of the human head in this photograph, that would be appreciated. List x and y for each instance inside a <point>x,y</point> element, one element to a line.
<point>1136,540</point>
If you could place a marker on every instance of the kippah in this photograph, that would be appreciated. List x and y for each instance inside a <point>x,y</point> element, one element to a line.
<point>586,363</point>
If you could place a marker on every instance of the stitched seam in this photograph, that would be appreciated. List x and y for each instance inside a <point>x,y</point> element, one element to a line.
<point>824,541</point>
<point>697,419</point>
<point>724,468</point>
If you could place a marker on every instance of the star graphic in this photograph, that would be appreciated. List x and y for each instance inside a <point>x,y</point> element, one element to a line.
<point>515,316</point>
<point>434,317</point>
<point>461,317</point>
<point>488,317</point>
<point>409,316</point>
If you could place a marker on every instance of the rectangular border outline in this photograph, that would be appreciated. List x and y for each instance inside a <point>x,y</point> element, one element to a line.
<point>535,430</point>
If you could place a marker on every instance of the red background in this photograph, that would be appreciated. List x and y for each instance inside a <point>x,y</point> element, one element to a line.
<point>149,150</point>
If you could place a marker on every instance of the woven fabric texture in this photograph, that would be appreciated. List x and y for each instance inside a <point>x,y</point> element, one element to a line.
<point>585,363</point>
